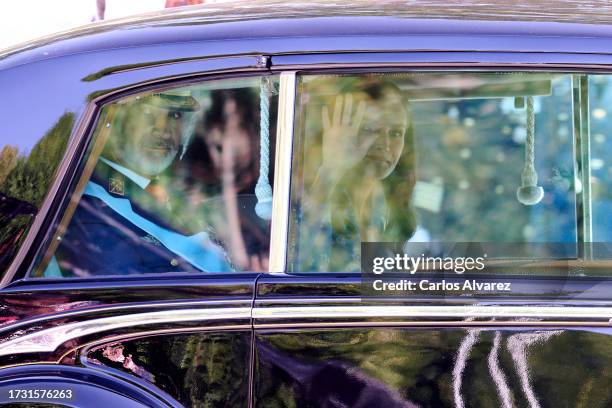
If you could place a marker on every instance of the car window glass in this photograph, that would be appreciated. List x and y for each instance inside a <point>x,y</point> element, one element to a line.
<point>27,167</point>
<point>169,185</point>
<point>432,160</point>
<point>600,100</point>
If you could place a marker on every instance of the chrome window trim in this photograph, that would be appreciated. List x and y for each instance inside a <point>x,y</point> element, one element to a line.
<point>582,163</point>
<point>460,60</point>
<point>48,340</point>
<point>491,324</point>
<point>583,160</point>
<point>433,315</point>
<point>282,168</point>
<point>119,308</point>
<point>432,67</point>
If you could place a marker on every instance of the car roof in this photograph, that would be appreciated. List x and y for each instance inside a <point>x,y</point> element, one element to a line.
<point>272,18</point>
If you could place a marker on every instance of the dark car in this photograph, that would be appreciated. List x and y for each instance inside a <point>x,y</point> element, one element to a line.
<point>366,204</point>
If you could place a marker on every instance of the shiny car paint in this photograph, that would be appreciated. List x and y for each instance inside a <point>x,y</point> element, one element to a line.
<point>246,339</point>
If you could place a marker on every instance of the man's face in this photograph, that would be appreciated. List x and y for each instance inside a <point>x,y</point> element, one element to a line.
<point>386,122</point>
<point>152,135</point>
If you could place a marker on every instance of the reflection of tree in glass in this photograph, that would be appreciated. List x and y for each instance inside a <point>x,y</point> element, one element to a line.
<point>8,160</point>
<point>24,181</point>
<point>418,365</point>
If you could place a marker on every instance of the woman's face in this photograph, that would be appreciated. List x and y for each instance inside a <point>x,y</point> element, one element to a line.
<point>229,145</point>
<point>385,122</point>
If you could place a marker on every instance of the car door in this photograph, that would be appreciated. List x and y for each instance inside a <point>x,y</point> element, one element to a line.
<point>460,283</point>
<point>134,285</point>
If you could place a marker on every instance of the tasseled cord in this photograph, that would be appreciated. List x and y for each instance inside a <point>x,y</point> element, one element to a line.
<point>263,190</point>
<point>529,193</point>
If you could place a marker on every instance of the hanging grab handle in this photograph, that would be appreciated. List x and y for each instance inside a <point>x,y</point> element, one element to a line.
<point>529,193</point>
<point>263,190</point>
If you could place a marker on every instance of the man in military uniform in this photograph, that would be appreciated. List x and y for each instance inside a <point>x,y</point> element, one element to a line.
<point>125,222</point>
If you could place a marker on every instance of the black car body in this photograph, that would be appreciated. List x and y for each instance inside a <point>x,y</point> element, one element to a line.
<point>291,337</point>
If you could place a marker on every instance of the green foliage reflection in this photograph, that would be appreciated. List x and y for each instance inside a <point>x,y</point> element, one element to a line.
<point>24,181</point>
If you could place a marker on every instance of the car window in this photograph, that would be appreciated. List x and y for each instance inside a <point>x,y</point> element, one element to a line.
<point>175,180</point>
<point>433,161</point>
